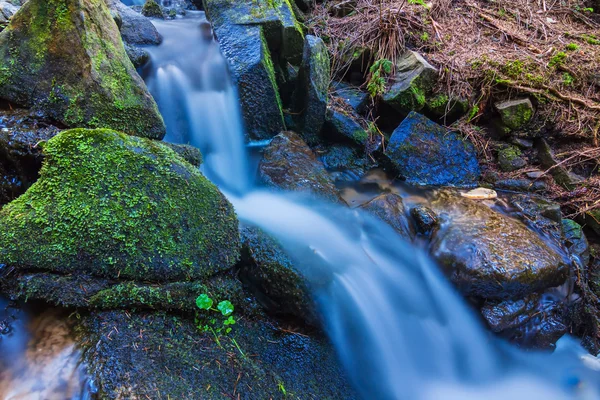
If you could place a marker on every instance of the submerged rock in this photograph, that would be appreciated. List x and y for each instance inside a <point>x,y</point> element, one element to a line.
<point>413,79</point>
<point>288,163</point>
<point>144,213</point>
<point>425,153</point>
<point>313,84</point>
<point>66,60</point>
<point>487,254</point>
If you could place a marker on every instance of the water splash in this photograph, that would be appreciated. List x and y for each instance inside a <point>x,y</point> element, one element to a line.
<point>401,330</point>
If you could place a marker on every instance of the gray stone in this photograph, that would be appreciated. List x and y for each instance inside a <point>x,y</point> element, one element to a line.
<point>515,113</point>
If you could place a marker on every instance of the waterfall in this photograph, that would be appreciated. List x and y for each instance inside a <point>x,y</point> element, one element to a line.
<point>400,329</point>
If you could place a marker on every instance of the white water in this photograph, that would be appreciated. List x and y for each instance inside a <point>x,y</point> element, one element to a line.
<point>401,330</point>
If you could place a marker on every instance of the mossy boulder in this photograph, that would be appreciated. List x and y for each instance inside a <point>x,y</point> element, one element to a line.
<point>289,164</point>
<point>425,153</point>
<point>117,206</point>
<point>65,59</point>
<point>412,81</point>
<point>515,113</point>
<point>313,85</point>
<point>343,126</point>
<point>152,9</point>
<point>489,255</point>
<point>510,159</point>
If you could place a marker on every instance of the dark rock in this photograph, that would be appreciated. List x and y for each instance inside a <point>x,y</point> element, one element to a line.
<point>138,56</point>
<point>487,254</point>
<point>409,86</point>
<point>152,9</point>
<point>561,175</point>
<point>576,241</point>
<point>343,126</point>
<point>313,84</point>
<point>355,97</point>
<point>541,215</point>
<point>344,163</point>
<point>144,212</point>
<point>425,153</point>
<point>592,220</point>
<point>510,159</point>
<point>151,353</point>
<point>522,143</point>
<point>342,8</point>
<point>536,321</point>
<point>447,109</point>
<point>77,72</point>
<point>520,185</point>
<point>189,153</point>
<point>390,209</point>
<point>135,28</point>
<point>515,113</point>
<point>288,163</point>
<point>425,219</point>
<point>272,277</point>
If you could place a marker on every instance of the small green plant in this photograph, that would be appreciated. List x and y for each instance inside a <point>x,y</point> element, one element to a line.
<point>379,69</point>
<point>217,326</point>
<point>558,59</point>
<point>424,36</point>
<point>568,79</point>
<point>473,113</point>
<point>513,68</point>
<point>572,46</point>
<point>590,39</point>
<point>419,2</point>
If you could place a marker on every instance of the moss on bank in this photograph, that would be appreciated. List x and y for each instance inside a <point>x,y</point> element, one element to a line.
<point>120,207</point>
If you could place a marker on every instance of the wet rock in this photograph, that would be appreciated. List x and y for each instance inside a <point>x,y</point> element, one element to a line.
<point>288,163</point>
<point>87,79</point>
<point>535,321</point>
<point>151,353</point>
<point>425,219</point>
<point>520,185</point>
<point>152,9</point>
<point>425,153</point>
<point>21,157</point>
<point>487,254</point>
<point>343,126</point>
<point>409,86</point>
<point>390,209</point>
<point>135,28</point>
<point>561,175</point>
<point>7,10</point>
<point>539,213</point>
<point>447,109</point>
<point>144,212</point>
<point>313,84</point>
<point>480,193</point>
<point>575,240</point>
<point>278,285</point>
<point>189,153</point>
<point>515,113</point>
<point>344,163</point>
<point>138,56</point>
<point>510,159</point>
<point>355,97</point>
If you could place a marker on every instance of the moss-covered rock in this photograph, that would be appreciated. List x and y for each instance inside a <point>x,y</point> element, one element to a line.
<point>114,205</point>
<point>515,113</point>
<point>425,153</point>
<point>489,255</point>
<point>413,79</point>
<point>288,163</point>
<point>510,159</point>
<point>343,126</point>
<point>65,59</point>
<point>313,85</point>
<point>152,9</point>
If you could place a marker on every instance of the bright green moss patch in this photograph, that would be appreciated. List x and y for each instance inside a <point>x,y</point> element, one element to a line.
<point>118,206</point>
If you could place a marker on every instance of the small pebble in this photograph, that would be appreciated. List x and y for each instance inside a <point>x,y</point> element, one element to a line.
<point>480,194</point>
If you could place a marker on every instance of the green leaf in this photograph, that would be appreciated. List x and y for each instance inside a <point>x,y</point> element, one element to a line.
<point>204,302</point>
<point>227,330</point>
<point>225,307</point>
<point>229,321</point>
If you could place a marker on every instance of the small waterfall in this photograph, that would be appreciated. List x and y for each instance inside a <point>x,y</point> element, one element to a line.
<point>400,329</point>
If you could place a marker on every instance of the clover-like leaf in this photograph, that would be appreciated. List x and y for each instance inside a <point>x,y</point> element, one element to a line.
<point>229,321</point>
<point>225,307</point>
<point>204,302</point>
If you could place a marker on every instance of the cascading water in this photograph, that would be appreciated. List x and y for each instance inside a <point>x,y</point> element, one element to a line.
<point>401,330</point>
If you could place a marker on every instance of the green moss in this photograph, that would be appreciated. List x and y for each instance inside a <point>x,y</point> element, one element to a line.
<point>572,46</point>
<point>513,69</point>
<point>152,9</point>
<point>558,59</point>
<point>119,206</point>
<point>270,69</point>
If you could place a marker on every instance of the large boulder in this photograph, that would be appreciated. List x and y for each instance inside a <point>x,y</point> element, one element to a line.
<point>489,255</point>
<point>117,206</point>
<point>312,88</point>
<point>66,60</point>
<point>425,153</point>
<point>413,79</point>
<point>288,163</point>
<point>136,30</point>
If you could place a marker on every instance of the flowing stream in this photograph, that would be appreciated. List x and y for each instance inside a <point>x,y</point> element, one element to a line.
<point>401,330</point>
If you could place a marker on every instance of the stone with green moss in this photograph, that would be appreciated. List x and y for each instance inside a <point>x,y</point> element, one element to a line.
<point>343,126</point>
<point>65,59</point>
<point>152,9</point>
<point>515,113</point>
<point>510,159</point>
<point>117,206</point>
<point>447,108</point>
<point>412,81</point>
